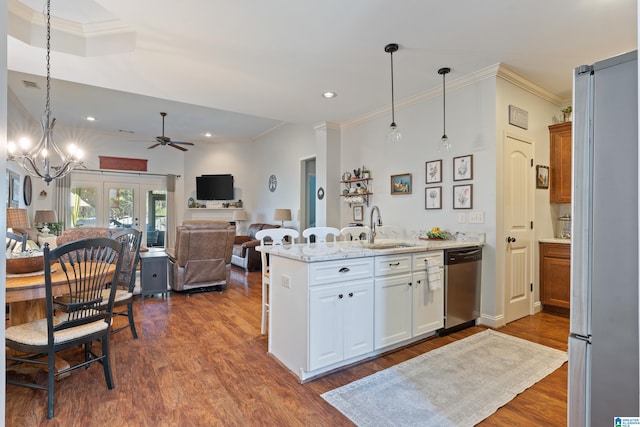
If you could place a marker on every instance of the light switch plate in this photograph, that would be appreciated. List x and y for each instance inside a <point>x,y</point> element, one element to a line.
<point>462,218</point>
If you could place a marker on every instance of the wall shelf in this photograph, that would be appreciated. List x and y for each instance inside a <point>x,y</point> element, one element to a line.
<point>355,183</point>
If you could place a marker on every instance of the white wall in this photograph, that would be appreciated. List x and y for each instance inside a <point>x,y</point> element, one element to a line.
<point>3,191</point>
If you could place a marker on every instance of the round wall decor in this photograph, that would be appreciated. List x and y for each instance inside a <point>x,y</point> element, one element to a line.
<point>26,190</point>
<point>320,193</point>
<point>273,183</point>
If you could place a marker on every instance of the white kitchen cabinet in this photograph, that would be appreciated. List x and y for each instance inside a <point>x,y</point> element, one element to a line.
<point>340,322</point>
<point>405,307</point>
<point>428,304</point>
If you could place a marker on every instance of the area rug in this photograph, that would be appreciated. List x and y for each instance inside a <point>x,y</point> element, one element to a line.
<point>459,384</point>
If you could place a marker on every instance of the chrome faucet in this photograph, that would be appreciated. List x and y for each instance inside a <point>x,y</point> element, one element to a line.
<point>372,234</point>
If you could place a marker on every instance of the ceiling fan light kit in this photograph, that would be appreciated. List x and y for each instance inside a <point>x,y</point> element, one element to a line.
<point>165,140</point>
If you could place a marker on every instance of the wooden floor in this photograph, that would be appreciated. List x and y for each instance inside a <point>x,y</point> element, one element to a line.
<point>201,361</point>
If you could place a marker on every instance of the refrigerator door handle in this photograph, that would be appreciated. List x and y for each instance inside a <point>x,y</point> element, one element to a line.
<point>586,338</point>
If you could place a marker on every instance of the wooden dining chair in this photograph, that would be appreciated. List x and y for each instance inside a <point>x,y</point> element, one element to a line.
<point>355,233</point>
<point>89,265</point>
<point>271,236</point>
<point>320,234</point>
<point>16,241</point>
<point>123,301</point>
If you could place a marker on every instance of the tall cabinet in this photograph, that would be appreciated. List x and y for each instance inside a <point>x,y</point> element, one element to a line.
<point>560,179</point>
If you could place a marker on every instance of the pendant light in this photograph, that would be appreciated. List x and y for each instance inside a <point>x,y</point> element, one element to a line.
<point>37,160</point>
<point>445,145</point>
<point>394,134</point>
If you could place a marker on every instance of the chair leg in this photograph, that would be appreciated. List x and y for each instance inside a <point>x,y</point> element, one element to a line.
<point>106,361</point>
<point>265,306</point>
<point>132,325</point>
<point>51,379</point>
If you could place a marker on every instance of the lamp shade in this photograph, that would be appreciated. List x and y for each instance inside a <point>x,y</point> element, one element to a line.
<point>240,215</point>
<point>17,218</point>
<point>46,216</point>
<point>282,215</point>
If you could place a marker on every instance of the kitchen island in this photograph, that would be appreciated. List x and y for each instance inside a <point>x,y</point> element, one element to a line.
<point>335,304</point>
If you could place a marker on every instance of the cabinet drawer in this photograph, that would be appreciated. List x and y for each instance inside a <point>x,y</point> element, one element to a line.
<point>392,264</point>
<point>556,250</point>
<point>337,271</point>
<point>420,259</point>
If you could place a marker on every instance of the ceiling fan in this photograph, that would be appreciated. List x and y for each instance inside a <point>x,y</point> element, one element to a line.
<point>165,140</point>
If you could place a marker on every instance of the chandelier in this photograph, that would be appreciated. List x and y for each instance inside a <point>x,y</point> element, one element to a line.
<point>45,160</point>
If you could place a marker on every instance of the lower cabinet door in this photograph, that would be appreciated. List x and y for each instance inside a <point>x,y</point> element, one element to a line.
<point>428,305</point>
<point>358,318</point>
<point>325,325</point>
<point>392,311</point>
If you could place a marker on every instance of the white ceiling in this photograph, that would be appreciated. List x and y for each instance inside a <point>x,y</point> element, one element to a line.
<point>240,68</point>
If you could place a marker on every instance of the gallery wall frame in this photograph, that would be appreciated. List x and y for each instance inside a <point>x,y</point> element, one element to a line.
<point>463,196</point>
<point>358,213</point>
<point>401,184</point>
<point>13,189</point>
<point>463,167</point>
<point>433,171</point>
<point>542,176</point>
<point>433,198</point>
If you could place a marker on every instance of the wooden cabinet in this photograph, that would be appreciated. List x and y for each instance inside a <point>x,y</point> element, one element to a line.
<point>555,277</point>
<point>560,152</point>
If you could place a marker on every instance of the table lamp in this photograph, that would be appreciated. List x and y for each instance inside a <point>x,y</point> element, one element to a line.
<point>239,215</point>
<point>45,217</point>
<point>282,215</point>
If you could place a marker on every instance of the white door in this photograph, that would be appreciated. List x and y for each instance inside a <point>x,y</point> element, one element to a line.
<point>518,217</point>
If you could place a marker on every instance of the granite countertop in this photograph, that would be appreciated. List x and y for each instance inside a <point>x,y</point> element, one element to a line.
<point>556,240</point>
<point>315,252</point>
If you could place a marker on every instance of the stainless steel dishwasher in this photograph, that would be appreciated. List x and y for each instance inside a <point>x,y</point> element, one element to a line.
<point>463,271</point>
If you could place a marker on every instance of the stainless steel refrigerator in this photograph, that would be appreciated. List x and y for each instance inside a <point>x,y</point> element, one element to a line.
<point>603,344</point>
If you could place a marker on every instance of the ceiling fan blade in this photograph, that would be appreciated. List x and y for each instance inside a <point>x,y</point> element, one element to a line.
<point>183,143</point>
<point>177,146</point>
<point>153,146</point>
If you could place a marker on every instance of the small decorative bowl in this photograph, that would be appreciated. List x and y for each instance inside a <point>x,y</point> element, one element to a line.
<point>23,265</point>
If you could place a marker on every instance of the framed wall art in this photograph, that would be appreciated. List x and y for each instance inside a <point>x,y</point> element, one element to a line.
<point>433,171</point>
<point>542,176</point>
<point>463,167</point>
<point>463,196</point>
<point>433,198</point>
<point>358,213</point>
<point>14,190</point>
<point>401,184</point>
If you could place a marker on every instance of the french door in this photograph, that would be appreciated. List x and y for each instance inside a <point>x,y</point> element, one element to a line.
<point>121,204</point>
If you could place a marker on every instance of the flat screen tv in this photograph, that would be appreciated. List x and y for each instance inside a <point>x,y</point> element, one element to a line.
<point>214,187</point>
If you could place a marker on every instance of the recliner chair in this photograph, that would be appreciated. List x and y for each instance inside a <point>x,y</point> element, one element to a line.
<point>202,255</point>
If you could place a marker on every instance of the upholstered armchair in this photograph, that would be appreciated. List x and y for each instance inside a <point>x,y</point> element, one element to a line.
<point>202,255</point>
<point>244,248</point>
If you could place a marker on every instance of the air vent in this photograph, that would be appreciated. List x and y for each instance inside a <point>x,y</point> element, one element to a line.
<point>125,131</point>
<point>30,85</point>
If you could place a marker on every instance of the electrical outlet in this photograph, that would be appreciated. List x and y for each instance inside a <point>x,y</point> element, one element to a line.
<point>286,281</point>
<point>476,217</point>
<point>462,218</point>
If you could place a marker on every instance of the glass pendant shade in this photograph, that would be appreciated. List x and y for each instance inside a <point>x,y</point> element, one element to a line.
<point>393,135</point>
<point>444,145</point>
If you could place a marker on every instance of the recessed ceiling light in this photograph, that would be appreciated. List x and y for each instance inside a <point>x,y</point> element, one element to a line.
<point>208,134</point>
<point>329,95</point>
<point>90,118</point>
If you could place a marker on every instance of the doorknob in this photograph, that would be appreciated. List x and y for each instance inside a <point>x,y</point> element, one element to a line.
<point>511,239</point>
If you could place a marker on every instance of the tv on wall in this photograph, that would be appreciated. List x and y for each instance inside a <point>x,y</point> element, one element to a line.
<point>214,187</point>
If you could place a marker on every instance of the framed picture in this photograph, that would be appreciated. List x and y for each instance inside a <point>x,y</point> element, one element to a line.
<point>542,176</point>
<point>401,184</point>
<point>463,196</point>
<point>358,213</point>
<point>463,167</point>
<point>433,171</point>
<point>433,198</point>
<point>14,189</point>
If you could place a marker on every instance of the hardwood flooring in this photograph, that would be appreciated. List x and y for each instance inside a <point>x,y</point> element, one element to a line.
<point>201,361</point>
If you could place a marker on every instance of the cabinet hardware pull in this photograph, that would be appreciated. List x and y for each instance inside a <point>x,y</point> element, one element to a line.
<point>344,270</point>
<point>350,294</point>
<point>395,264</point>
<point>340,296</point>
<point>410,284</point>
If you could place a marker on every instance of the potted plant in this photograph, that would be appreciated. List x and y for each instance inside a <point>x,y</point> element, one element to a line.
<point>567,113</point>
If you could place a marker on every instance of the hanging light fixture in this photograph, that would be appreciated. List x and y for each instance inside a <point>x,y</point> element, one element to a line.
<point>394,134</point>
<point>445,145</point>
<point>37,160</point>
